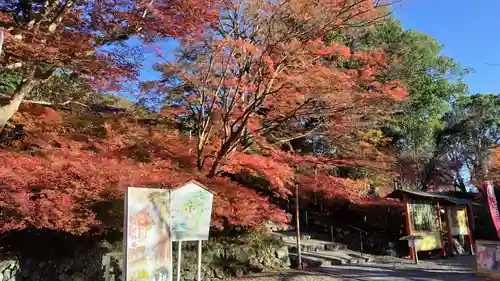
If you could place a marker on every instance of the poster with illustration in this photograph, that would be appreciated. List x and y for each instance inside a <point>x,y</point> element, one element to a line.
<point>191,212</point>
<point>148,254</point>
<point>457,217</point>
<point>488,258</point>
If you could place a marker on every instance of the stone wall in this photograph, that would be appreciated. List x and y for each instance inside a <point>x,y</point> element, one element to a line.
<point>54,257</point>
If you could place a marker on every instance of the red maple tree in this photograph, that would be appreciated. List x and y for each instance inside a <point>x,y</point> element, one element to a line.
<point>263,66</point>
<point>45,38</point>
<point>67,165</point>
<point>266,65</point>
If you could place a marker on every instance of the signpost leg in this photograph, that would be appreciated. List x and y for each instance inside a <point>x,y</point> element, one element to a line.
<point>297,214</point>
<point>199,260</point>
<point>107,265</point>
<point>179,257</point>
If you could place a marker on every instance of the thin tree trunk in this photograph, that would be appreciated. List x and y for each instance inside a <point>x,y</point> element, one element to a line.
<point>223,152</point>
<point>9,109</point>
<point>215,168</point>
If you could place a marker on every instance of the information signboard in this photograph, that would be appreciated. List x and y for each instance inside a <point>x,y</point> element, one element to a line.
<point>488,259</point>
<point>191,212</point>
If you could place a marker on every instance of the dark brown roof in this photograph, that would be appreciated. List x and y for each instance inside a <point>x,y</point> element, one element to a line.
<point>443,199</point>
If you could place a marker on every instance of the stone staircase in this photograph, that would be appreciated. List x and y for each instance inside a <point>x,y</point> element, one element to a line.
<point>319,253</point>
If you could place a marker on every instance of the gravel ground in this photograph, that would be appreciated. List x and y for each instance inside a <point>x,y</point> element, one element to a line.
<point>292,275</point>
<point>383,268</point>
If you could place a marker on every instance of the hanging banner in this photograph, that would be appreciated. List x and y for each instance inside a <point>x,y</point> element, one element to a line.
<point>148,253</point>
<point>492,202</point>
<point>457,217</point>
<point>191,212</point>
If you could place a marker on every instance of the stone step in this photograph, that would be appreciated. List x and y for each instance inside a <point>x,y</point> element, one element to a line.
<point>335,246</point>
<point>308,248</point>
<point>355,255</point>
<point>337,257</point>
<point>309,245</point>
<point>326,258</point>
<point>308,261</point>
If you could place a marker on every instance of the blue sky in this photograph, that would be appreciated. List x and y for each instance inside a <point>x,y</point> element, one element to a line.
<point>469,31</point>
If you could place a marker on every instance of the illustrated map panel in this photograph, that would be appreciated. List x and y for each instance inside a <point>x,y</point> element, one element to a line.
<point>191,212</point>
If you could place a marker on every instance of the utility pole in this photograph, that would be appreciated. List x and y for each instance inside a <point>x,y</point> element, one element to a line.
<point>299,254</point>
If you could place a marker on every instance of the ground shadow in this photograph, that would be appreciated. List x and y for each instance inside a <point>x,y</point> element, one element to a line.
<point>457,269</point>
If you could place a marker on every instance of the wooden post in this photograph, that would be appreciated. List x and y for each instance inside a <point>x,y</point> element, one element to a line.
<point>408,224</point>
<point>307,220</point>
<point>471,242</point>
<point>471,217</point>
<point>448,229</point>
<point>440,225</point>
<point>361,241</point>
<point>299,254</point>
<point>331,233</point>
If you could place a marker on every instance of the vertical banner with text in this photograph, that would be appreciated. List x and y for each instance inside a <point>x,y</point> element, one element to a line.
<point>492,202</point>
<point>148,254</point>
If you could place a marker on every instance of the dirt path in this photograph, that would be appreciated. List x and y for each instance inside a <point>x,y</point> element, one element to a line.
<point>456,269</point>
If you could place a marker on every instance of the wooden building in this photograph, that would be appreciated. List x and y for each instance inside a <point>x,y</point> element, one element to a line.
<point>431,217</point>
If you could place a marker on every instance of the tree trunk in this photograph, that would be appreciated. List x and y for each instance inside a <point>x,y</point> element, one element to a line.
<point>215,166</point>
<point>223,152</point>
<point>9,109</point>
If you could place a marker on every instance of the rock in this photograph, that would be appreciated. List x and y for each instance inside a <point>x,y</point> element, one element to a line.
<point>64,277</point>
<point>7,264</point>
<point>238,271</point>
<point>255,265</point>
<point>241,254</point>
<point>458,247</point>
<point>25,273</point>
<point>105,245</point>
<point>219,273</point>
<point>7,273</point>
<point>282,253</point>
<point>34,276</point>
<point>78,277</point>
<point>274,227</point>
